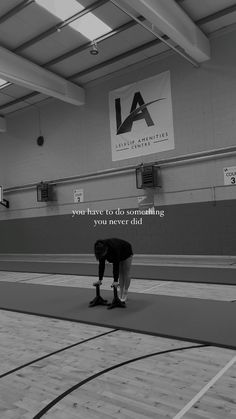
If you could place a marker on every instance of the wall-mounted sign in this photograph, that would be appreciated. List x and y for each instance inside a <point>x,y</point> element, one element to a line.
<point>78,195</point>
<point>230,175</point>
<point>146,201</point>
<point>3,201</point>
<point>141,120</point>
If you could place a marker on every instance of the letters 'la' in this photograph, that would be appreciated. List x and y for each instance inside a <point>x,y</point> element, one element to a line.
<point>136,113</point>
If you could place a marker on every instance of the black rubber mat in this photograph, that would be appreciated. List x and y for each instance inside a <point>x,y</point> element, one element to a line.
<point>191,319</point>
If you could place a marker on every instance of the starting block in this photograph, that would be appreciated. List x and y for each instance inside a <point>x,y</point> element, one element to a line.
<point>116,302</point>
<point>98,300</point>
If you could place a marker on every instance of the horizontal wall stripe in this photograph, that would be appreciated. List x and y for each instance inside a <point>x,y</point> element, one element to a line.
<point>188,158</point>
<point>197,261</point>
<point>204,274</point>
<point>23,203</point>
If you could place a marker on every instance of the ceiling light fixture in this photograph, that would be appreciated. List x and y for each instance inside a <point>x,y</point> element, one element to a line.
<point>94,49</point>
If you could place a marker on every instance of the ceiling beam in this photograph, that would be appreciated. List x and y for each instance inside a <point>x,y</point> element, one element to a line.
<point>15,10</point>
<point>23,72</point>
<point>115,59</point>
<point>60,25</point>
<point>217,15</point>
<point>171,20</point>
<point>201,21</point>
<point>101,38</point>
<point>19,100</point>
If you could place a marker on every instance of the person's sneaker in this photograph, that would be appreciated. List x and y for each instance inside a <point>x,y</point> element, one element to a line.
<point>124,297</point>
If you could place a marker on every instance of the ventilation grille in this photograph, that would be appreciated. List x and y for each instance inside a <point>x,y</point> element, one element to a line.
<point>44,192</point>
<point>147,176</point>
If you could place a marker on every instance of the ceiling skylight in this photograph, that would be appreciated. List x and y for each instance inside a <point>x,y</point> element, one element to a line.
<point>61,8</point>
<point>3,83</point>
<point>88,25</point>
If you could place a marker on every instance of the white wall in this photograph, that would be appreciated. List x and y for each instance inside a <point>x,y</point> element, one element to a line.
<point>77,139</point>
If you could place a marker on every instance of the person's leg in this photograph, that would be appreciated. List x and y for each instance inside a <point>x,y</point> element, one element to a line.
<point>121,279</point>
<point>126,268</point>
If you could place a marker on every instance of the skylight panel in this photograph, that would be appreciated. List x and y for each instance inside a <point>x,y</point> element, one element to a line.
<point>3,83</point>
<point>63,9</point>
<point>88,25</point>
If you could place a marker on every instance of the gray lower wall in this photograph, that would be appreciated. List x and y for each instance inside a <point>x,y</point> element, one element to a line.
<point>190,229</point>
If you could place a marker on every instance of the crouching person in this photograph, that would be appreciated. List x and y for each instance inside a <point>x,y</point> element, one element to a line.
<point>119,253</point>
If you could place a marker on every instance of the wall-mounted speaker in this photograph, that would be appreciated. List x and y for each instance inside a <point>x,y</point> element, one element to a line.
<point>40,140</point>
<point>44,192</point>
<point>147,176</point>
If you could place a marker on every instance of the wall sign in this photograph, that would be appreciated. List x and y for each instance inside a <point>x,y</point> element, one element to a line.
<point>146,201</point>
<point>141,120</point>
<point>230,175</point>
<point>78,195</point>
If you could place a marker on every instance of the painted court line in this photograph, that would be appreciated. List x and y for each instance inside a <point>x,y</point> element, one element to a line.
<point>155,286</point>
<point>70,390</point>
<point>205,389</point>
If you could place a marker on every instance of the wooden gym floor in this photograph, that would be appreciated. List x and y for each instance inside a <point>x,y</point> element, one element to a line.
<point>58,369</point>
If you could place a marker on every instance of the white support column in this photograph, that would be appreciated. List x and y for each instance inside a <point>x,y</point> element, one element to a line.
<point>23,72</point>
<point>171,20</point>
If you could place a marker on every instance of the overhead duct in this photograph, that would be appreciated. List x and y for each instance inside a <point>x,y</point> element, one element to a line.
<point>169,18</point>
<point>23,72</point>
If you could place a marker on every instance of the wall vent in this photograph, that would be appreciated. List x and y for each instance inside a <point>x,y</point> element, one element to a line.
<point>44,192</point>
<point>147,176</point>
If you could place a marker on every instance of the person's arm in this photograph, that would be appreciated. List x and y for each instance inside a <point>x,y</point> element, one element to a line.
<point>101,269</point>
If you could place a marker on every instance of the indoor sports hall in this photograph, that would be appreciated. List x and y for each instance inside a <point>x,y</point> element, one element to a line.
<point>117,209</point>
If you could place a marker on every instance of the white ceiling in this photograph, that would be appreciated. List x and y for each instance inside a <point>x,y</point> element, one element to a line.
<point>30,35</point>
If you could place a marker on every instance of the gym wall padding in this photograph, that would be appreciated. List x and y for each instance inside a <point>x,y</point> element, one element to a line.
<point>192,229</point>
